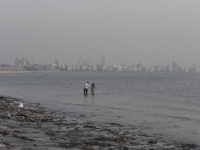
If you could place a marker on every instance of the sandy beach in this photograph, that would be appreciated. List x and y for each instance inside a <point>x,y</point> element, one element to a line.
<point>33,127</point>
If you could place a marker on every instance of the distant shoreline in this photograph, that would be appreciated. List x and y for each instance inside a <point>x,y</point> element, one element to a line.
<point>13,72</point>
<point>58,71</point>
<point>17,72</point>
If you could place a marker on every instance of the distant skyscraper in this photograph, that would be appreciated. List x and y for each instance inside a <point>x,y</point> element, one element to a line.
<point>103,61</point>
<point>80,61</point>
<point>22,62</point>
<point>58,61</point>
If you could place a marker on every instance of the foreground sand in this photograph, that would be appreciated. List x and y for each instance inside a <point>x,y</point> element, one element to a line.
<point>35,128</point>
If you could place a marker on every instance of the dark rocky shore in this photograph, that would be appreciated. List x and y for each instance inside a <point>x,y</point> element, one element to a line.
<point>33,127</point>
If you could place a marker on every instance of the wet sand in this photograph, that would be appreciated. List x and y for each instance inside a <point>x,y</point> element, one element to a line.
<point>33,127</point>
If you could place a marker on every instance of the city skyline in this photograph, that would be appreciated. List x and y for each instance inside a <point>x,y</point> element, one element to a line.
<point>81,62</point>
<point>85,65</point>
<point>102,61</point>
<point>150,31</point>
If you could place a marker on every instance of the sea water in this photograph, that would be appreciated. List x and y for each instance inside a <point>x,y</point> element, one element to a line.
<point>166,105</point>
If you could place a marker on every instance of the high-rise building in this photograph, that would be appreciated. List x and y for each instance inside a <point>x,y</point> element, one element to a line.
<point>22,62</point>
<point>58,61</point>
<point>103,61</point>
<point>80,61</point>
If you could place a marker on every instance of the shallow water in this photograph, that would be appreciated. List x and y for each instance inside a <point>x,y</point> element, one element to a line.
<point>166,104</point>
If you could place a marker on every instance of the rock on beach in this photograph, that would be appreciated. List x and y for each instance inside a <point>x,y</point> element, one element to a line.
<point>32,127</point>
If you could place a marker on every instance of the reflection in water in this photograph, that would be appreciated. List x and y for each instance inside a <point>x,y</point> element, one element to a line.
<point>93,96</point>
<point>89,100</point>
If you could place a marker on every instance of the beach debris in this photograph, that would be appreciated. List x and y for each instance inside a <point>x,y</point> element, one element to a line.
<point>35,116</point>
<point>20,105</point>
<point>152,141</point>
<point>2,97</point>
<point>35,126</point>
<point>22,137</point>
<point>6,143</point>
<point>116,124</point>
<point>10,126</point>
<point>4,133</point>
<point>2,145</point>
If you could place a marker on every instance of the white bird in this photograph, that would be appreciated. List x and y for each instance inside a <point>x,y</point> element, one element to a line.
<point>20,105</point>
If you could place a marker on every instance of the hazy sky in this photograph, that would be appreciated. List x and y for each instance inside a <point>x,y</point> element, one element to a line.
<point>125,31</point>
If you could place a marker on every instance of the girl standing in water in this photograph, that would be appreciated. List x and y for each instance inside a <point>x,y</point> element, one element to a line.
<point>92,88</point>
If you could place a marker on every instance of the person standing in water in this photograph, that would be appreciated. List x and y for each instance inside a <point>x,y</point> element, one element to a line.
<point>86,86</point>
<point>92,88</point>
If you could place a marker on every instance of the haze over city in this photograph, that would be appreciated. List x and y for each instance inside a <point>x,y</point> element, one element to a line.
<point>126,32</point>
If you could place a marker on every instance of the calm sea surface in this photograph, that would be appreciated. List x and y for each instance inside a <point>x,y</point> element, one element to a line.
<point>165,104</point>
